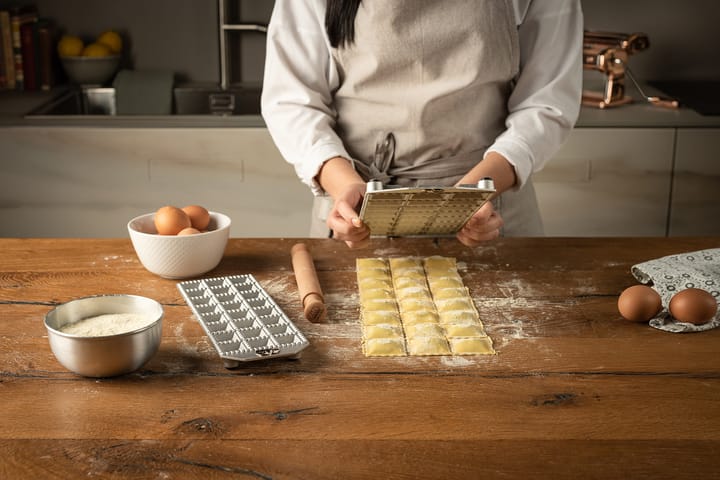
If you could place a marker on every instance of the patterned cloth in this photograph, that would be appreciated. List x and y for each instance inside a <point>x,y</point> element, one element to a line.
<point>671,274</point>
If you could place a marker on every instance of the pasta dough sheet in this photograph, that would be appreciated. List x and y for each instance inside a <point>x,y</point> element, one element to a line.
<point>417,306</point>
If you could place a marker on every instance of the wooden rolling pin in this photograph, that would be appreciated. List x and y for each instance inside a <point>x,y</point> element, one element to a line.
<point>311,295</point>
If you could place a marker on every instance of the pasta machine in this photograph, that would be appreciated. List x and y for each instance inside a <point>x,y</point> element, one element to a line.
<point>608,52</point>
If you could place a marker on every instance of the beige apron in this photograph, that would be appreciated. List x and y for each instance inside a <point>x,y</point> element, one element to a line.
<point>437,75</point>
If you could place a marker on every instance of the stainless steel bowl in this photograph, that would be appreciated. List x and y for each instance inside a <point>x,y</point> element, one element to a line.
<point>110,355</point>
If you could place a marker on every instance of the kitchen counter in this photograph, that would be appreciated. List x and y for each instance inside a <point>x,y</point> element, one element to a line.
<point>573,392</point>
<point>14,107</point>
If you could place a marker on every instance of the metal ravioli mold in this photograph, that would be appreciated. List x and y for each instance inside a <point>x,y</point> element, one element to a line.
<point>241,319</point>
<point>422,211</point>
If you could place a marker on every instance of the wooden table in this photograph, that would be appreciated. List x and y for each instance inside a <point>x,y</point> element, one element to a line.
<point>574,391</point>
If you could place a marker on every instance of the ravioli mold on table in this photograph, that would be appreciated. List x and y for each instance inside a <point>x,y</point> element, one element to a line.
<point>241,319</point>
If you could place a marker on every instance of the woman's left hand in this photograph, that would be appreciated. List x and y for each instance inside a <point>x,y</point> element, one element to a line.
<point>483,226</point>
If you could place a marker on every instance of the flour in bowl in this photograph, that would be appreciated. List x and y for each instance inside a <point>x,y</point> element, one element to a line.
<point>108,324</point>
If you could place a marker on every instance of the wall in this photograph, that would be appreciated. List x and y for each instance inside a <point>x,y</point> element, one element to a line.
<point>176,35</point>
<point>181,35</point>
<point>684,35</point>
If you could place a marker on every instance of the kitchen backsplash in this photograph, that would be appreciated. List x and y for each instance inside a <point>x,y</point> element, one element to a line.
<point>182,35</point>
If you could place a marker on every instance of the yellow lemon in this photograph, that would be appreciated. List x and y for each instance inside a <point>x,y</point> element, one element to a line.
<point>70,46</point>
<point>112,40</point>
<point>96,50</point>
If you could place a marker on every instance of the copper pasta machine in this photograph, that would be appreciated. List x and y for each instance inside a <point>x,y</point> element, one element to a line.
<point>608,52</point>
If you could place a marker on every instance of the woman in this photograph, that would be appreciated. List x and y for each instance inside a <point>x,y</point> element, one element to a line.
<point>467,88</point>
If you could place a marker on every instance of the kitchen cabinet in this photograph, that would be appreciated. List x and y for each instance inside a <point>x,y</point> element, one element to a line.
<point>695,200</point>
<point>608,182</point>
<point>89,182</point>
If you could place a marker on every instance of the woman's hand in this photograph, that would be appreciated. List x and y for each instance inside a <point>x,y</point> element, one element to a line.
<point>484,225</point>
<point>343,219</point>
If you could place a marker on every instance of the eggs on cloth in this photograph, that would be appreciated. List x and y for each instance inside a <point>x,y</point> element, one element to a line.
<point>693,305</point>
<point>639,303</point>
<point>189,220</point>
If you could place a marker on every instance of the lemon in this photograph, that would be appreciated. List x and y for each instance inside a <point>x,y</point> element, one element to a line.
<point>70,46</point>
<point>112,40</point>
<point>96,50</point>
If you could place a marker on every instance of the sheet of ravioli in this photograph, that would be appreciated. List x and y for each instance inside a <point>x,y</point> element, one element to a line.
<point>417,306</point>
<point>381,326</point>
<point>417,309</point>
<point>456,311</point>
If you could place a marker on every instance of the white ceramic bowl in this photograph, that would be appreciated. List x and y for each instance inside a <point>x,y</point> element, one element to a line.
<point>183,256</point>
<point>108,355</point>
<point>90,70</point>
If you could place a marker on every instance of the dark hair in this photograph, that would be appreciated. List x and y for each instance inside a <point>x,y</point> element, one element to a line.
<point>340,21</point>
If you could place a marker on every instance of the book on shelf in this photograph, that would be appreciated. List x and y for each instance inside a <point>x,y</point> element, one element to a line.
<point>3,75</point>
<point>20,16</point>
<point>8,57</point>
<point>37,39</point>
<point>28,48</point>
<point>48,61</point>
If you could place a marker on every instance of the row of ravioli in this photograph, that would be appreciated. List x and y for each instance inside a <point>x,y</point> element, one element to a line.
<point>417,306</point>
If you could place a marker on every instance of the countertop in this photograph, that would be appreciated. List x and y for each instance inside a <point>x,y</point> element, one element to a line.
<point>573,392</point>
<point>14,106</point>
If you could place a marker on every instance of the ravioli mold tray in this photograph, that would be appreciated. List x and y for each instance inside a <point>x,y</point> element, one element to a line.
<point>241,319</point>
<point>422,211</point>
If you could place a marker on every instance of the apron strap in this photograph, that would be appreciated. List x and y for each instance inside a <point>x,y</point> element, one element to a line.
<point>387,173</point>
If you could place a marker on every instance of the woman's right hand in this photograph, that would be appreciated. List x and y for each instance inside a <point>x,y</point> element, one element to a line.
<point>483,226</point>
<point>344,220</point>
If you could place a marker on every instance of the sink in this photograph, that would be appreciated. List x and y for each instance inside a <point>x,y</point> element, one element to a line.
<point>187,100</point>
<point>214,101</point>
<point>88,101</point>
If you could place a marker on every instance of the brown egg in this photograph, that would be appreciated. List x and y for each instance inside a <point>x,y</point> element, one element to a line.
<point>639,303</point>
<point>199,216</point>
<point>693,305</point>
<point>189,231</point>
<point>170,220</point>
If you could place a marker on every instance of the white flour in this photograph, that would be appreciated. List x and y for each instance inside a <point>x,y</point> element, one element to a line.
<point>108,324</point>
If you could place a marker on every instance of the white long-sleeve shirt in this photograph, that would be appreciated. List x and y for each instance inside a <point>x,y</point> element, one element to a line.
<point>301,76</point>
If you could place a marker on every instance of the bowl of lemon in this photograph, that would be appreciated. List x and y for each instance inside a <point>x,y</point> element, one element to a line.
<point>91,64</point>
